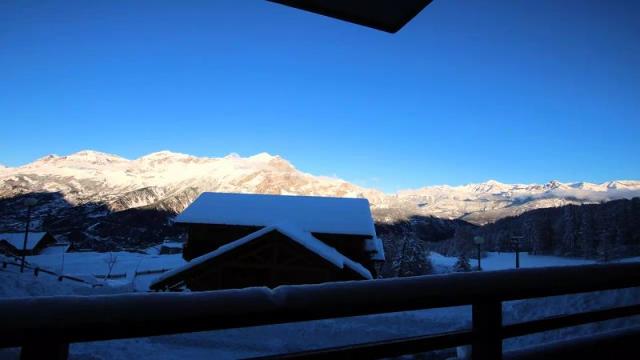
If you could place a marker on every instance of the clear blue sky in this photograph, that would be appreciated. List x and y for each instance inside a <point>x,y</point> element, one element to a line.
<point>518,91</point>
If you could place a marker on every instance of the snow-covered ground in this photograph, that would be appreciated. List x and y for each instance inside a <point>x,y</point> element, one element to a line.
<point>127,266</point>
<point>295,337</point>
<point>503,260</point>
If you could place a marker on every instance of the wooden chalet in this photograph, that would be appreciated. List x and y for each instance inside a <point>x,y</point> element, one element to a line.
<point>170,247</point>
<point>242,240</point>
<point>13,243</point>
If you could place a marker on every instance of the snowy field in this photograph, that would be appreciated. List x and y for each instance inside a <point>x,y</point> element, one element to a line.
<point>228,344</point>
<point>503,261</point>
<point>135,269</point>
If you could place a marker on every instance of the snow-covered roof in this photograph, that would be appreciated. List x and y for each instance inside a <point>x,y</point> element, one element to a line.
<point>309,213</point>
<point>56,249</point>
<point>17,239</point>
<point>303,238</point>
<point>375,248</point>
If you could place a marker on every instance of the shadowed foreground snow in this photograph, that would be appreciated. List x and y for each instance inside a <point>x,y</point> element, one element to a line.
<point>303,336</point>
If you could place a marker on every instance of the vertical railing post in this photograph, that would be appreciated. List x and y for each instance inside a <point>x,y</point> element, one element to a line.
<point>487,324</point>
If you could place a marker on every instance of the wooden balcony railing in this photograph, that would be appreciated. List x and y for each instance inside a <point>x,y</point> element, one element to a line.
<point>45,326</point>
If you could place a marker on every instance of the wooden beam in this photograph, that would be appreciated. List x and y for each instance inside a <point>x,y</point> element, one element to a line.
<point>385,15</point>
<point>487,323</point>
<point>91,318</point>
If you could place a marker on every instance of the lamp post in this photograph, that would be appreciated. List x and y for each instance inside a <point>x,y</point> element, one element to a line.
<point>64,250</point>
<point>478,240</point>
<point>515,240</point>
<point>29,203</point>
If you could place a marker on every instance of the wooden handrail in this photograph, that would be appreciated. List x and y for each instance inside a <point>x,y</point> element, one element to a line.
<point>65,319</point>
<point>382,349</point>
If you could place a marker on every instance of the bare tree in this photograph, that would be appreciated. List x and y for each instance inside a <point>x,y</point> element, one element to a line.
<point>111,262</point>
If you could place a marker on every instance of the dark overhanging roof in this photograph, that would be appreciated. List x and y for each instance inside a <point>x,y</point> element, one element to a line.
<point>385,15</point>
<point>302,238</point>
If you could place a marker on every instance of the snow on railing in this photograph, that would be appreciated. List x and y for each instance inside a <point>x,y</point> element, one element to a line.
<point>60,320</point>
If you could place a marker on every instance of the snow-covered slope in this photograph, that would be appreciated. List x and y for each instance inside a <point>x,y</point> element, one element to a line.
<point>170,181</point>
<point>489,201</point>
<point>162,177</point>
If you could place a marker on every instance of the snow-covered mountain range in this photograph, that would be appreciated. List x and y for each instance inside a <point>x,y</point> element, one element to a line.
<point>489,201</point>
<point>170,181</point>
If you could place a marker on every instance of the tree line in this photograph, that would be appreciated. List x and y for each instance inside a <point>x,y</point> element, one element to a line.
<point>603,231</point>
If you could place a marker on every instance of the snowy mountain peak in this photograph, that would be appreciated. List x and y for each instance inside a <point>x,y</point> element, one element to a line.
<point>493,182</point>
<point>80,159</point>
<point>90,157</point>
<point>163,158</point>
<point>622,184</point>
<point>47,158</point>
<point>554,184</point>
<point>93,155</point>
<point>163,155</point>
<point>263,157</point>
<point>274,161</point>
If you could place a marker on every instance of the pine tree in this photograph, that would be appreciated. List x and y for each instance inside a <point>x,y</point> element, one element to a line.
<point>414,258</point>
<point>605,245</point>
<point>587,233</point>
<point>461,241</point>
<point>542,236</point>
<point>570,227</point>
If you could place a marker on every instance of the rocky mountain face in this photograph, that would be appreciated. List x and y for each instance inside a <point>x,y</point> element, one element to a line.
<point>104,201</point>
<point>162,179</point>
<point>97,199</point>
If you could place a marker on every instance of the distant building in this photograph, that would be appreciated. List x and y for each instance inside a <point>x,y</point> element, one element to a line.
<point>13,243</point>
<point>55,249</point>
<point>242,240</point>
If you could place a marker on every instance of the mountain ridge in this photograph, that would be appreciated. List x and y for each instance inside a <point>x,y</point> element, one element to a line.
<point>98,157</point>
<point>170,181</point>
